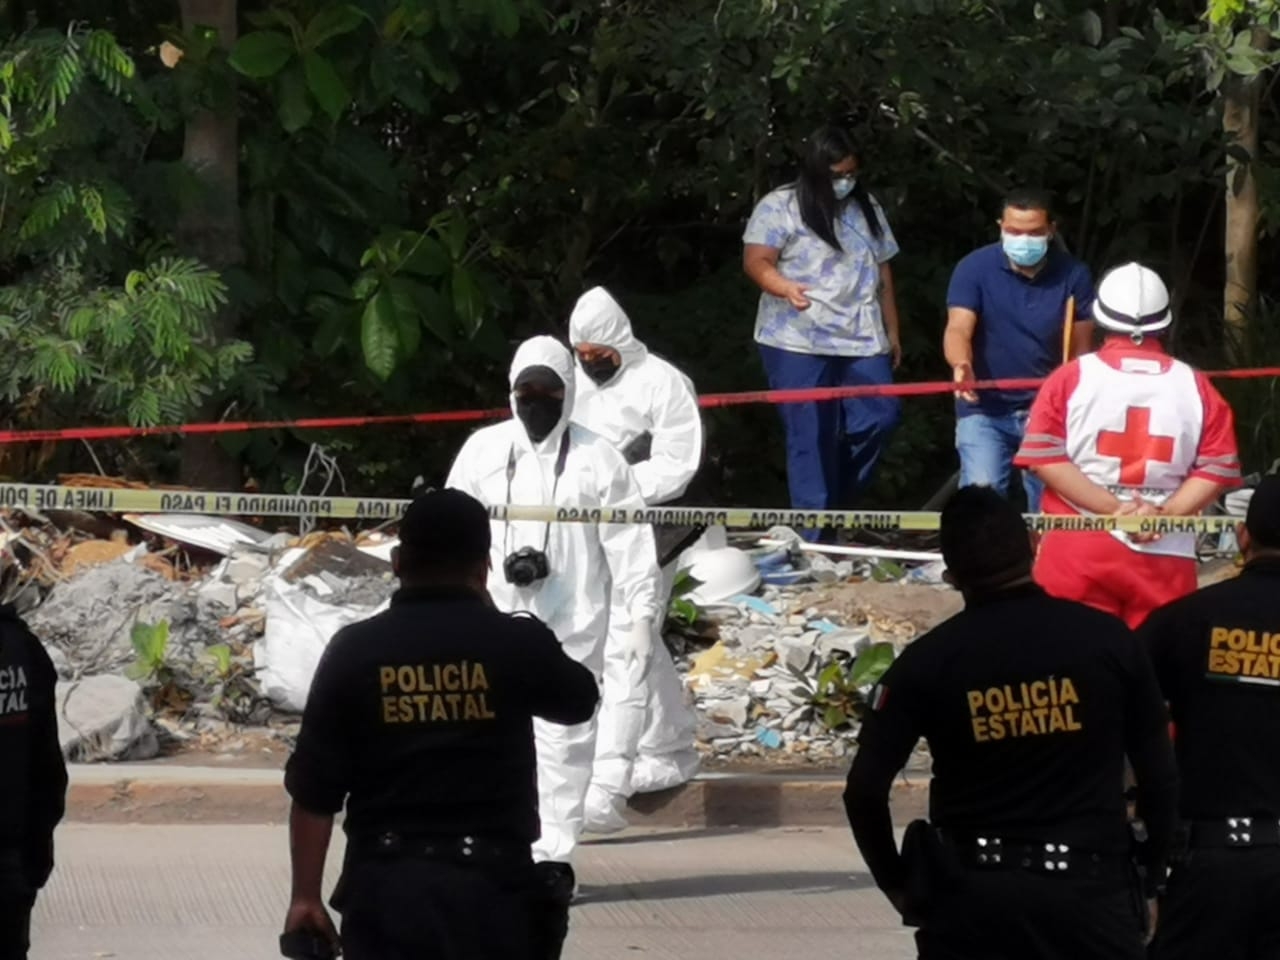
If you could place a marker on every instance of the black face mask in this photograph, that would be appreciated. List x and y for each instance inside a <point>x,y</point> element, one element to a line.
<point>601,370</point>
<point>539,414</point>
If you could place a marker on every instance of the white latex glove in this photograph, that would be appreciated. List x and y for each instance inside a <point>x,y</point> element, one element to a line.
<point>637,648</point>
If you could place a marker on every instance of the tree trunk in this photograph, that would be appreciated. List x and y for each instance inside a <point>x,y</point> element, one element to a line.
<point>1242,100</point>
<point>209,228</point>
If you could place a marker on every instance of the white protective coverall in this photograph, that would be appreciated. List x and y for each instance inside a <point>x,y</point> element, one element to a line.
<point>642,721</point>
<point>586,561</point>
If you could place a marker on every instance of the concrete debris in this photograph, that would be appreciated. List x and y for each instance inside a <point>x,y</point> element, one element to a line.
<point>222,635</point>
<point>755,678</point>
<point>104,718</point>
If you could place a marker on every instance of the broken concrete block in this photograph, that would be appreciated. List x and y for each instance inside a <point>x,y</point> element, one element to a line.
<point>219,593</point>
<point>246,566</point>
<point>850,642</point>
<point>104,718</point>
<point>733,712</point>
<point>796,652</point>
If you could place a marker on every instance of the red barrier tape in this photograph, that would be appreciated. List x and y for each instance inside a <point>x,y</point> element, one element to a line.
<point>711,400</point>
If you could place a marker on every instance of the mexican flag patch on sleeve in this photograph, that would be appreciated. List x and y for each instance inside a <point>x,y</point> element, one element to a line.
<point>879,694</point>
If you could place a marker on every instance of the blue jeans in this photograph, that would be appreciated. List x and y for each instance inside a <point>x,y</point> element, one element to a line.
<point>832,447</point>
<point>987,445</point>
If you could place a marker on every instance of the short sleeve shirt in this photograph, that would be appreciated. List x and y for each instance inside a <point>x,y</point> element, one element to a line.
<point>1020,320</point>
<point>843,318</point>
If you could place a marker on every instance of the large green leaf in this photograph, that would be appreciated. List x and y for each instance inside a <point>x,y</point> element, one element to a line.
<point>293,106</point>
<point>435,313</point>
<point>468,299</point>
<point>332,21</point>
<point>379,336</point>
<point>325,84</point>
<point>408,327</point>
<point>261,54</point>
<point>871,664</point>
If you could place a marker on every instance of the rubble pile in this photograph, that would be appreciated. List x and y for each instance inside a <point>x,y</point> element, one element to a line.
<point>753,668</point>
<point>173,632</point>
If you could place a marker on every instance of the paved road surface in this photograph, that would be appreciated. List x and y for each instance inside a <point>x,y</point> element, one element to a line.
<point>206,892</point>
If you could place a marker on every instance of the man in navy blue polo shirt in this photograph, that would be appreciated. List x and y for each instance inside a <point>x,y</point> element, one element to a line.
<point>1007,310</point>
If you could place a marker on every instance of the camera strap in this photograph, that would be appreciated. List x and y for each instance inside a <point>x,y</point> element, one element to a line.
<point>561,458</point>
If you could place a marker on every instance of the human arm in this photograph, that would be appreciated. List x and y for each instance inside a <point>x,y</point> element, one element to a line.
<point>957,346</point>
<point>318,777</point>
<point>47,796</point>
<point>1217,465</point>
<point>558,688</point>
<point>761,264</point>
<point>1151,755</point>
<point>309,835</point>
<point>675,450</point>
<point>889,310</point>
<point>889,733</point>
<point>629,548</point>
<point>768,232</point>
<point>1044,449</point>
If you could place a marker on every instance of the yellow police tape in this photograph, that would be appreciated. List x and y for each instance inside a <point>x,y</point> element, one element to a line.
<point>42,497</point>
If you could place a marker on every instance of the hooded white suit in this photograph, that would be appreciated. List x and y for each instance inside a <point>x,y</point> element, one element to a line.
<point>647,723</point>
<point>587,564</point>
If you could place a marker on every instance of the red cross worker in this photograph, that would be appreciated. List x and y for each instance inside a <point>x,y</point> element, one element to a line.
<point>1127,430</point>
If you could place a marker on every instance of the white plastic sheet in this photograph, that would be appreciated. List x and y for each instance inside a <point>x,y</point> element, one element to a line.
<point>299,626</point>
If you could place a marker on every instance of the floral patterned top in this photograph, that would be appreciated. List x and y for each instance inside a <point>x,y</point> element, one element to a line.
<point>843,318</point>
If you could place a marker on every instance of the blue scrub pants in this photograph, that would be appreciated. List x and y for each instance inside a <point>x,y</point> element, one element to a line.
<point>832,447</point>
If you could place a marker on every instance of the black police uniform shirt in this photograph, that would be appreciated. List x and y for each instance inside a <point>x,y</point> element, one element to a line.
<point>33,784</point>
<point>420,718</point>
<point>1217,656</point>
<point>1029,705</point>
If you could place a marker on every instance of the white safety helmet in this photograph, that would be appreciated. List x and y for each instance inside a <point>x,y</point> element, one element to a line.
<point>1132,299</point>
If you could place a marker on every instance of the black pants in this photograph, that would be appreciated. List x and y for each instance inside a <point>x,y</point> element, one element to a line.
<point>411,909</point>
<point>15,928</point>
<point>1222,904</point>
<point>1020,915</point>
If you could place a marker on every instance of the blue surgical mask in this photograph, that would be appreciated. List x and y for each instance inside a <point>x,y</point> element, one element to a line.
<point>843,186</point>
<point>1024,250</point>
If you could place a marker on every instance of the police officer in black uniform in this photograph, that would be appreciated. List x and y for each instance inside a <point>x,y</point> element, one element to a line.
<point>1029,705</point>
<point>1217,656</point>
<point>421,720</point>
<point>33,779</point>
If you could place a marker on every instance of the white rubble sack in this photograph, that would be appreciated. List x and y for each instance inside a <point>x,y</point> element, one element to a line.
<point>298,628</point>
<point>104,718</point>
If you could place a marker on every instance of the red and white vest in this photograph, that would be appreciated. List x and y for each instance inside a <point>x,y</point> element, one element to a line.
<point>1136,431</point>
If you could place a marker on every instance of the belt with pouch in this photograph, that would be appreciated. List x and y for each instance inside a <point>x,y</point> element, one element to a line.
<point>1234,832</point>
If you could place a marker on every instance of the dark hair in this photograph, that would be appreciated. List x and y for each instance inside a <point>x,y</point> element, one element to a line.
<point>1262,518</point>
<point>826,147</point>
<point>984,538</point>
<point>1028,198</point>
<point>444,535</point>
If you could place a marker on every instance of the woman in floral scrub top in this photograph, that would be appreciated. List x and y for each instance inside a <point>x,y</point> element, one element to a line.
<point>819,249</point>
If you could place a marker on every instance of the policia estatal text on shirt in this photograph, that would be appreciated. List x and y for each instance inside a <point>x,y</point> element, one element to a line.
<point>1029,705</point>
<point>1216,655</point>
<point>420,720</point>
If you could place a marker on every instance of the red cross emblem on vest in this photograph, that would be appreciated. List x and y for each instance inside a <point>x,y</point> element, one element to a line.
<point>1135,446</point>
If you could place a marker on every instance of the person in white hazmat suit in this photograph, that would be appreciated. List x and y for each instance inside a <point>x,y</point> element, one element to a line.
<point>566,574</point>
<point>648,410</point>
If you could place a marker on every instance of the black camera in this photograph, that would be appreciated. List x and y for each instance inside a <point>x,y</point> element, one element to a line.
<point>526,567</point>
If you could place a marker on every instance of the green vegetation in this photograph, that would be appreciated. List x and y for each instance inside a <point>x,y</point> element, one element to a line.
<point>301,208</point>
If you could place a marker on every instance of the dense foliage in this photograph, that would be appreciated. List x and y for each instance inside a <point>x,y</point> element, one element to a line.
<point>422,183</point>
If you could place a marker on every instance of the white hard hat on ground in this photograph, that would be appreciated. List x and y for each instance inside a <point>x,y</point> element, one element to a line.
<point>1132,299</point>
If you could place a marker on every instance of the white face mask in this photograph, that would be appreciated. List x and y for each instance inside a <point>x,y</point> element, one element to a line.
<point>843,186</point>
